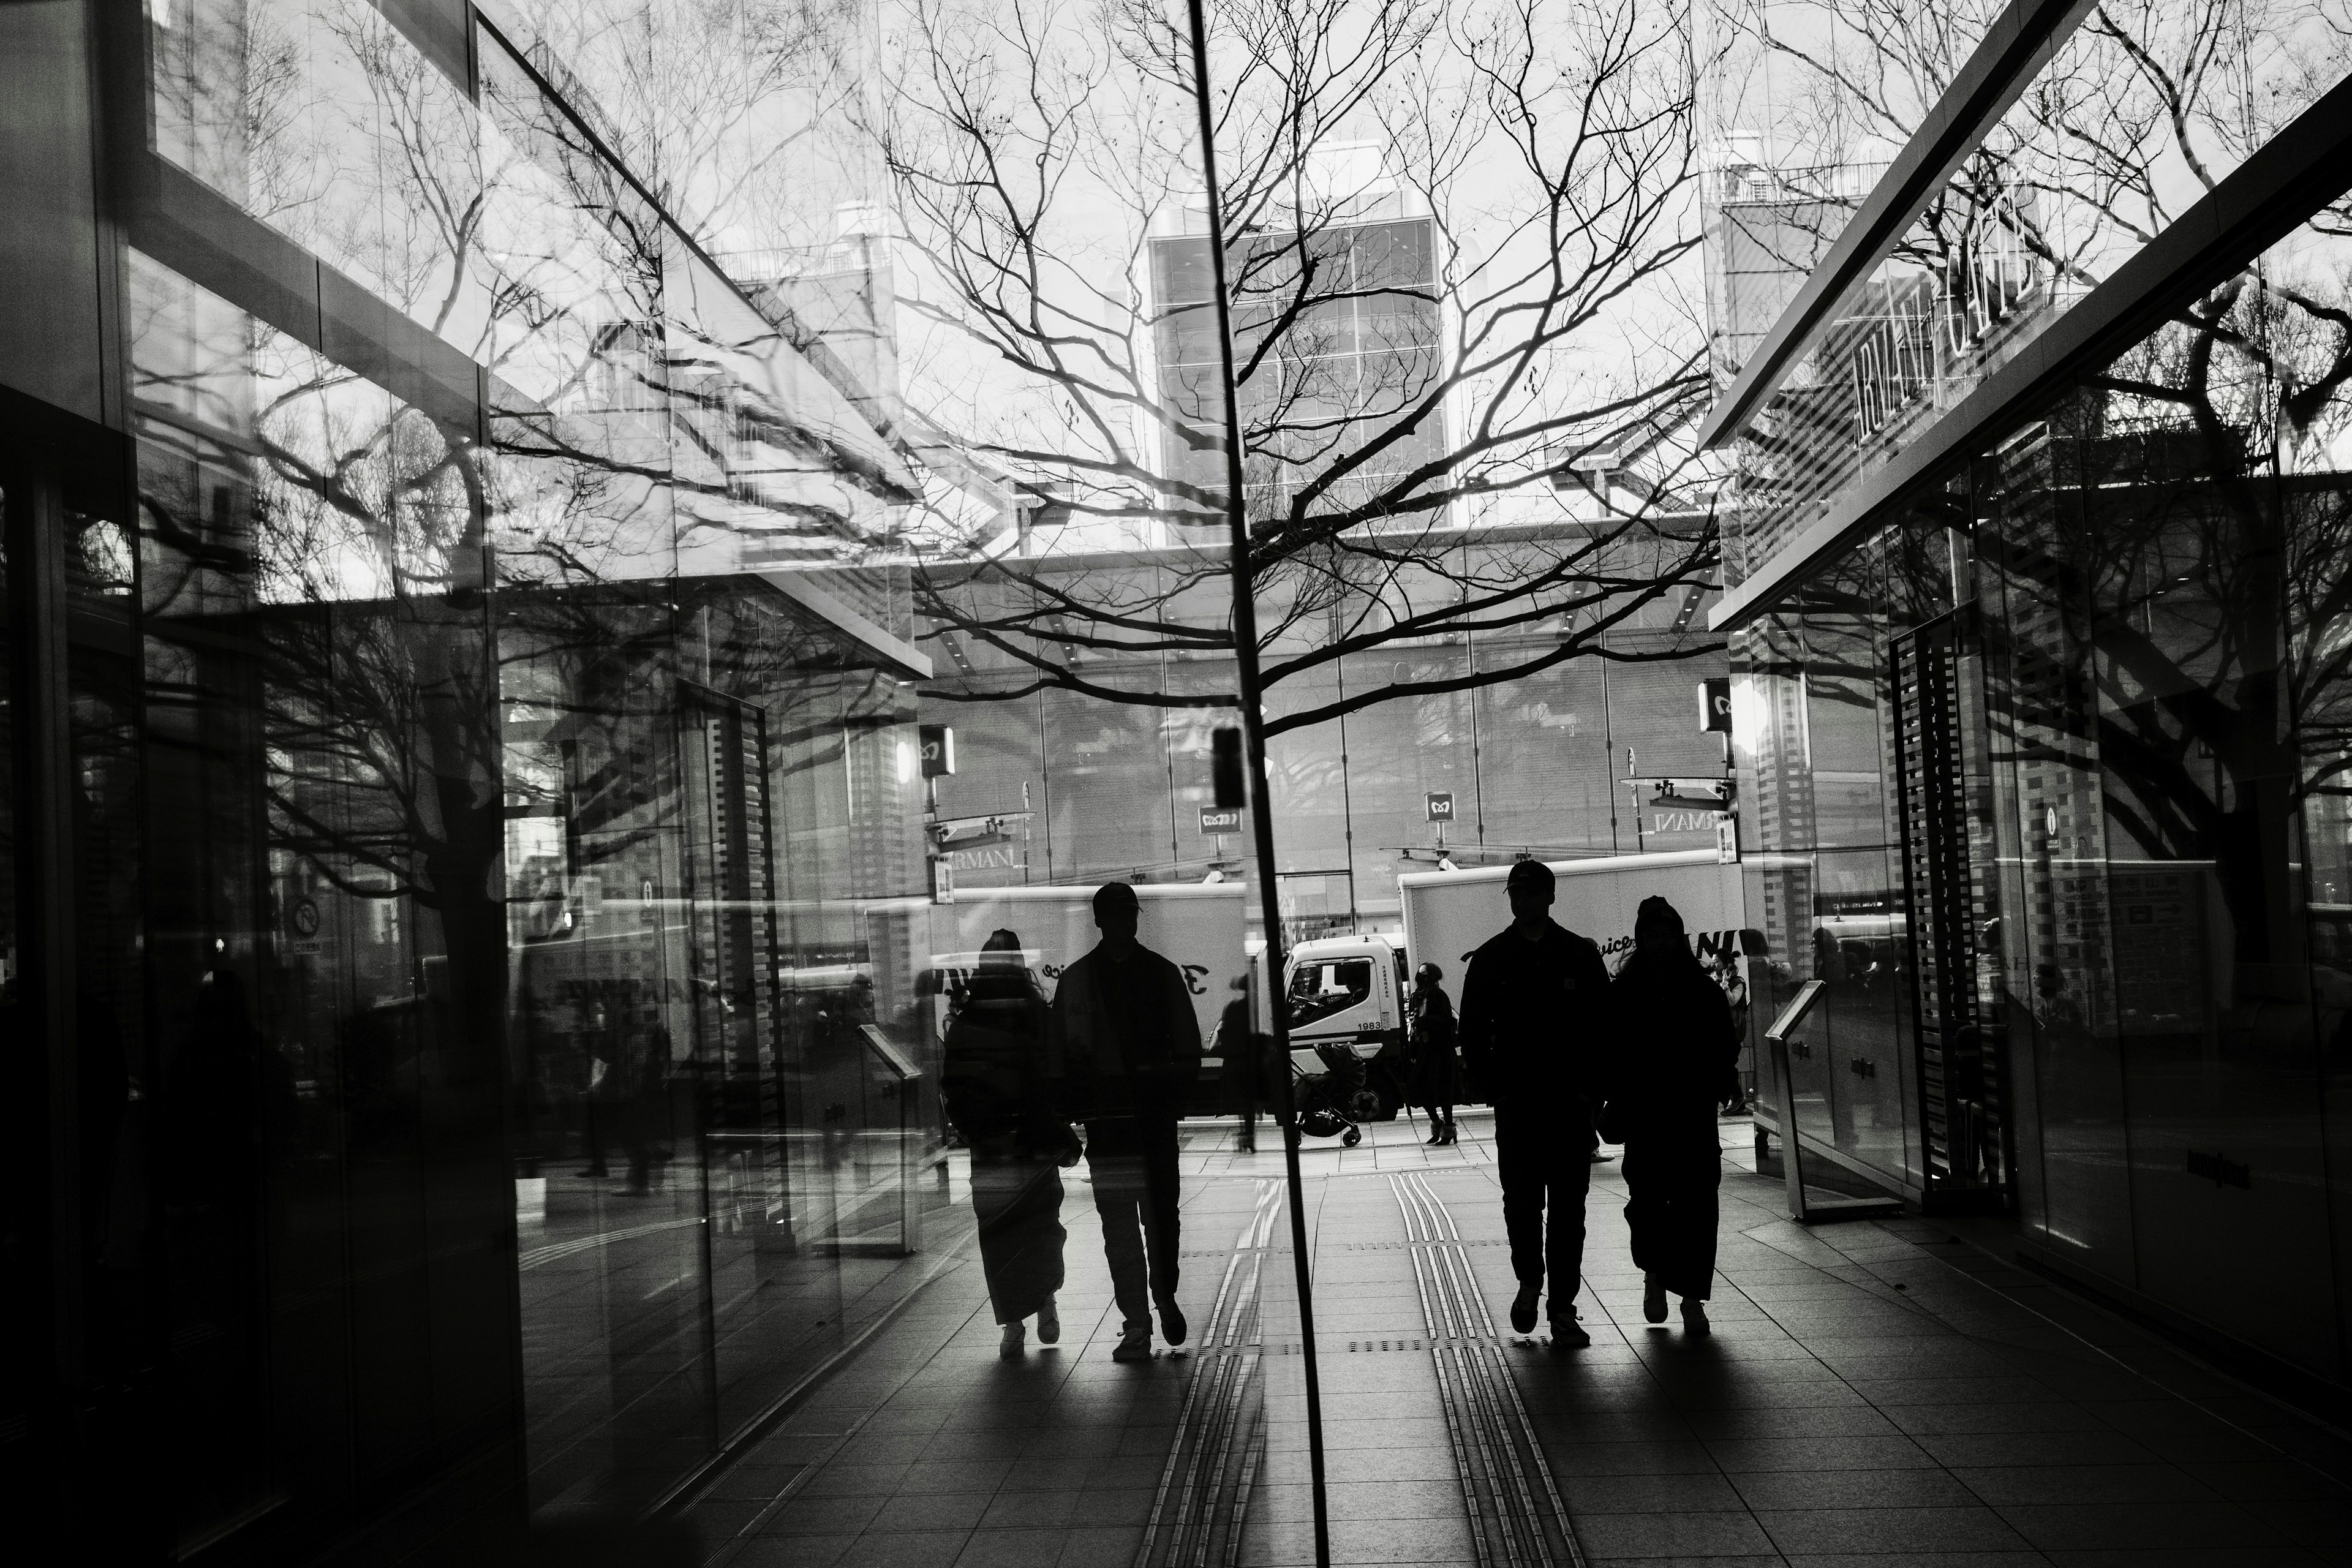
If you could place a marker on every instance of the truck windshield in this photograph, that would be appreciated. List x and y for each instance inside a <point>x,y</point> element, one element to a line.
<point>1319,990</point>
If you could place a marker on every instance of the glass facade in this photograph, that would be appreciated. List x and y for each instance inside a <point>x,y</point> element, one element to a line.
<point>2045,779</point>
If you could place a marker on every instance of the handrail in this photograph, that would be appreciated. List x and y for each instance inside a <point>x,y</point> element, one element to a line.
<point>1794,1013</point>
<point>1803,1207</point>
<point>890,1055</point>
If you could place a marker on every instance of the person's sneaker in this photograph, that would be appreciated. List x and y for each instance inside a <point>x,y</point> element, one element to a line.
<point>1523,1308</point>
<point>1172,1324</point>
<point>1567,1331</point>
<point>1049,1323</point>
<point>1133,1346</point>
<point>1653,1299</point>
<point>1695,1318</point>
<point>1015,1341</point>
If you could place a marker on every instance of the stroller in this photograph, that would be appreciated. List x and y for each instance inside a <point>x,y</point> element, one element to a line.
<point>1327,1083</point>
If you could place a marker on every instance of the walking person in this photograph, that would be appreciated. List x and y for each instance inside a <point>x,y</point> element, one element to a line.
<point>1436,1072</point>
<point>1002,1094</point>
<point>1535,1011</point>
<point>1679,1060</point>
<point>1123,1028</point>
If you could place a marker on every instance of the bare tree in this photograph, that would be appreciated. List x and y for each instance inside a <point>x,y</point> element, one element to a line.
<point>1466,354</point>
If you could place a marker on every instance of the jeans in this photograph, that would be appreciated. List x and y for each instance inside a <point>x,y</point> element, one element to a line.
<point>1545,1165</point>
<point>1133,1162</point>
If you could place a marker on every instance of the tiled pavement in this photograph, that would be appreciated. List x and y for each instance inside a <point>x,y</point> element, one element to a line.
<point>1873,1394</point>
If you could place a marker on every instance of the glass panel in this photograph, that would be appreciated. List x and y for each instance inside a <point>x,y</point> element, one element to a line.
<point>2136,115</point>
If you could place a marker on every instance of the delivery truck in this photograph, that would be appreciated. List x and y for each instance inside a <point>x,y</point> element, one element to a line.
<point>1199,927</point>
<point>1354,989</point>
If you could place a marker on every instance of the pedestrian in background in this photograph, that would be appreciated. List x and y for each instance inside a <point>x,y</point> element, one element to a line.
<point>1535,1013</point>
<point>1436,1072</point>
<point>1003,1095</point>
<point>1679,1059</point>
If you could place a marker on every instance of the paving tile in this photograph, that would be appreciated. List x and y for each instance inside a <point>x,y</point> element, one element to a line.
<point>1957,1420</point>
<point>856,1480</point>
<point>1653,1535</point>
<point>825,1516</point>
<point>1817,1454</point>
<point>793,1552</point>
<point>2114,1526</point>
<point>1097,1547</point>
<point>1690,1493</point>
<point>1832,1421</point>
<point>1905,1530</point>
<point>1630,1458</point>
<point>1763,1489</point>
<point>1972,1449</point>
<point>1011,1549</point>
<point>908,1549</point>
<point>1416,1541</point>
<point>2263,1482</point>
<point>2187,1557</point>
<point>2002,1485</point>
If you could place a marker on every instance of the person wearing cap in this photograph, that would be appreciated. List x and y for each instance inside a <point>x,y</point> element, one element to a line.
<point>1123,1030</point>
<point>1678,1060</point>
<point>1533,1026</point>
<point>1436,1074</point>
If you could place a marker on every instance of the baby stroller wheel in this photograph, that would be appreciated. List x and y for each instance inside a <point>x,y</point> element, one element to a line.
<point>1351,1137</point>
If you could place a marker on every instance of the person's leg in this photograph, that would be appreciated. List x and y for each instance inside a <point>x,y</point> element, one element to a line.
<point>1162,1223</point>
<point>1568,1183</point>
<point>1698,1211</point>
<point>1519,1165</point>
<point>1117,1167</point>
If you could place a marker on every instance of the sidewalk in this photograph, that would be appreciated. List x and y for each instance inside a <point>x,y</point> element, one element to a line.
<point>1873,1393</point>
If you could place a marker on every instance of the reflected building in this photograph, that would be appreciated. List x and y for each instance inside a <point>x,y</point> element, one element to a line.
<point>464,856</point>
<point>2036,585</point>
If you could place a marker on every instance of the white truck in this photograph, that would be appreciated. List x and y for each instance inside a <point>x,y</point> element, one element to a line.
<point>1197,926</point>
<point>1351,991</point>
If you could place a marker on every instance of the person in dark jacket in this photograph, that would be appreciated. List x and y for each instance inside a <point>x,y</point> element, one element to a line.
<point>1679,1060</point>
<point>1534,1019</point>
<point>1436,1073</point>
<point>1123,1028</point>
<point>1003,1096</point>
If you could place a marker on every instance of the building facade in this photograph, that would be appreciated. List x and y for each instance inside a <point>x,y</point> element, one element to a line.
<point>459,868</point>
<point>1550,763</point>
<point>2036,592</point>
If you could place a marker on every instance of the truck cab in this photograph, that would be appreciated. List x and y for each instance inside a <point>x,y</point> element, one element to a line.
<point>1348,992</point>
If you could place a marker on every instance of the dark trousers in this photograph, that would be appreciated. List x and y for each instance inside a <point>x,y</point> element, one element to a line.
<point>1671,1209</point>
<point>1133,1162</point>
<point>1018,1203</point>
<point>1545,1165</point>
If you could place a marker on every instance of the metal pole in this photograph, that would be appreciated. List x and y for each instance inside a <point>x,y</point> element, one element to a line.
<point>1254,742</point>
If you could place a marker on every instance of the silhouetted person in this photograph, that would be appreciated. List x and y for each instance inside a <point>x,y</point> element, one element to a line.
<point>1436,1074</point>
<point>645,1072</point>
<point>1679,1059</point>
<point>1001,1096</point>
<point>1122,1027</point>
<point>1534,1014</point>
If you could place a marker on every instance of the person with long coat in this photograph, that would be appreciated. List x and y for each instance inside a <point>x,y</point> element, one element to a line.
<point>1677,1059</point>
<point>1000,1090</point>
<point>1436,1072</point>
